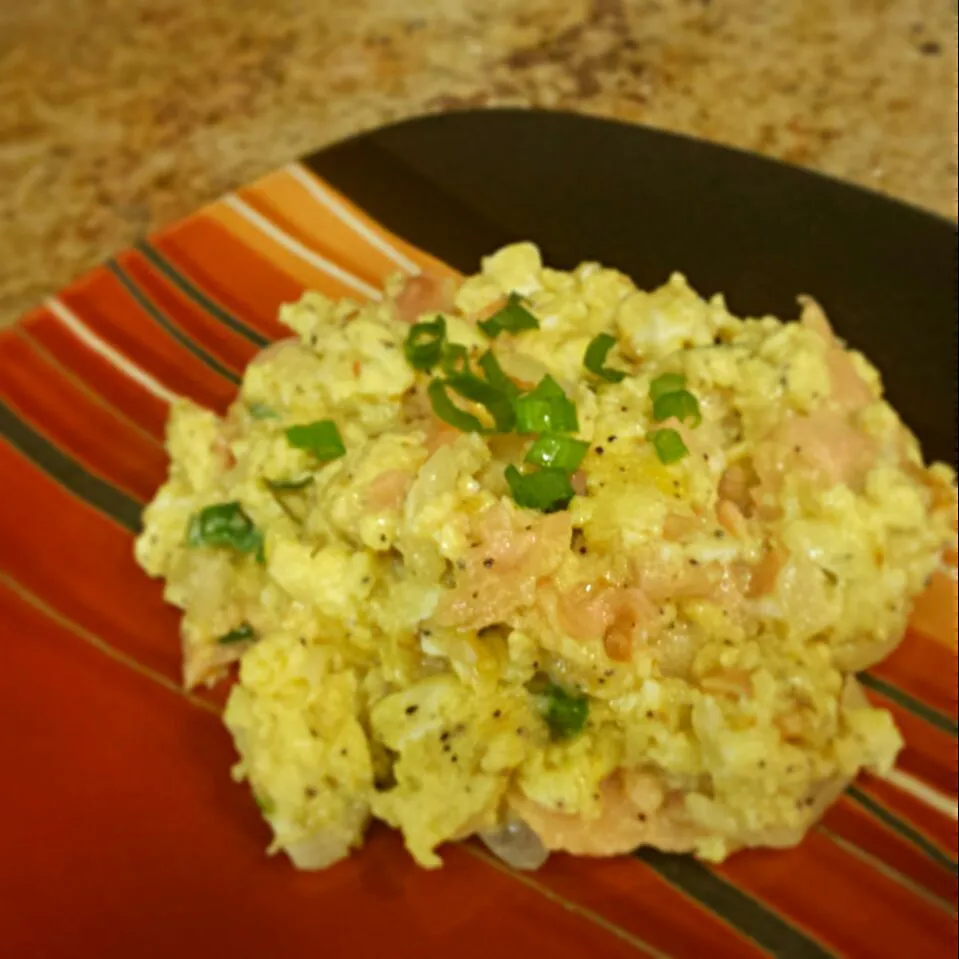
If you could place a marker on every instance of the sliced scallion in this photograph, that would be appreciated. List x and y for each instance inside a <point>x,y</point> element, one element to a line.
<point>495,376</point>
<point>224,525</point>
<point>287,485</point>
<point>446,410</point>
<point>424,344</point>
<point>666,383</point>
<point>595,358</point>
<point>669,446</point>
<point>546,490</point>
<point>321,438</point>
<point>242,633</point>
<point>557,452</point>
<point>496,402</point>
<point>513,317</point>
<point>546,409</point>
<point>680,404</point>
<point>565,712</point>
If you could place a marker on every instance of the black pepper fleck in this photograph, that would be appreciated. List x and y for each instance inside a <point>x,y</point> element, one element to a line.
<point>488,562</point>
<point>599,451</point>
<point>411,710</point>
<point>497,713</point>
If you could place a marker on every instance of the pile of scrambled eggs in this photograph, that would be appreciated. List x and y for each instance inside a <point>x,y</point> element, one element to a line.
<point>642,632</point>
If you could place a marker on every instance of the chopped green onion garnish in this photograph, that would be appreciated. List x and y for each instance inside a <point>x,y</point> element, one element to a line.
<point>498,404</point>
<point>547,490</point>
<point>424,344</point>
<point>265,805</point>
<point>564,712</point>
<point>260,411</point>
<point>557,452</point>
<point>681,404</point>
<point>321,438</point>
<point>225,525</point>
<point>546,409</point>
<point>512,318</point>
<point>242,632</point>
<point>495,376</point>
<point>449,412</point>
<point>666,383</point>
<point>669,446</point>
<point>595,357</point>
<point>455,358</point>
<point>285,485</point>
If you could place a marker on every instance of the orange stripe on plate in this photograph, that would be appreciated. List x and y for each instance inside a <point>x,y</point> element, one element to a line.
<point>935,611</point>
<point>97,372</point>
<point>425,261</point>
<point>108,309</point>
<point>287,203</point>
<point>233,350</point>
<point>130,815</point>
<point>81,564</point>
<point>824,889</point>
<point>81,427</point>
<point>241,280</point>
<point>634,897</point>
<point>929,754</point>
<point>307,274</point>
<point>939,829</point>
<point>21,331</point>
<point>925,669</point>
<point>853,823</point>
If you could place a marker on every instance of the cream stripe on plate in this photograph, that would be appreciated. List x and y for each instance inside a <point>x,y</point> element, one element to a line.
<point>916,788</point>
<point>126,366</point>
<point>319,192</point>
<point>298,249</point>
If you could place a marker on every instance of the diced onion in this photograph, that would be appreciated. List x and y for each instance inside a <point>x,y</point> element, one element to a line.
<point>517,845</point>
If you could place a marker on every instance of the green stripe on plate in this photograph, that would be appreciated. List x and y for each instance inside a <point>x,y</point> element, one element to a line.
<point>900,826</point>
<point>151,309</point>
<point>198,296</point>
<point>915,706</point>
<point>738,909</point>
<point>100,494</point>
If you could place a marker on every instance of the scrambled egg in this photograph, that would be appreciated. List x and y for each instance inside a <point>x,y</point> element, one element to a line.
<point>666,660</point>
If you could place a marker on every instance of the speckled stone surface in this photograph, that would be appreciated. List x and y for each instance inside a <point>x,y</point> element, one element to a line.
<point>117,116</point>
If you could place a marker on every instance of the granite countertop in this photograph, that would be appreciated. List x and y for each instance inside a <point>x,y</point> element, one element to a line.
<point>117,116</point>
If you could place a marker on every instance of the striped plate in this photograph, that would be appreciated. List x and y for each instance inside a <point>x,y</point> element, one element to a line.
<point>121,833</point>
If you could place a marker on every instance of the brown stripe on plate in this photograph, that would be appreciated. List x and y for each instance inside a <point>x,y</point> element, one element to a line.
<point>70,419</point>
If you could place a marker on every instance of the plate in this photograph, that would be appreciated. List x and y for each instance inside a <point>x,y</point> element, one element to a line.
<point>122,834</point>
